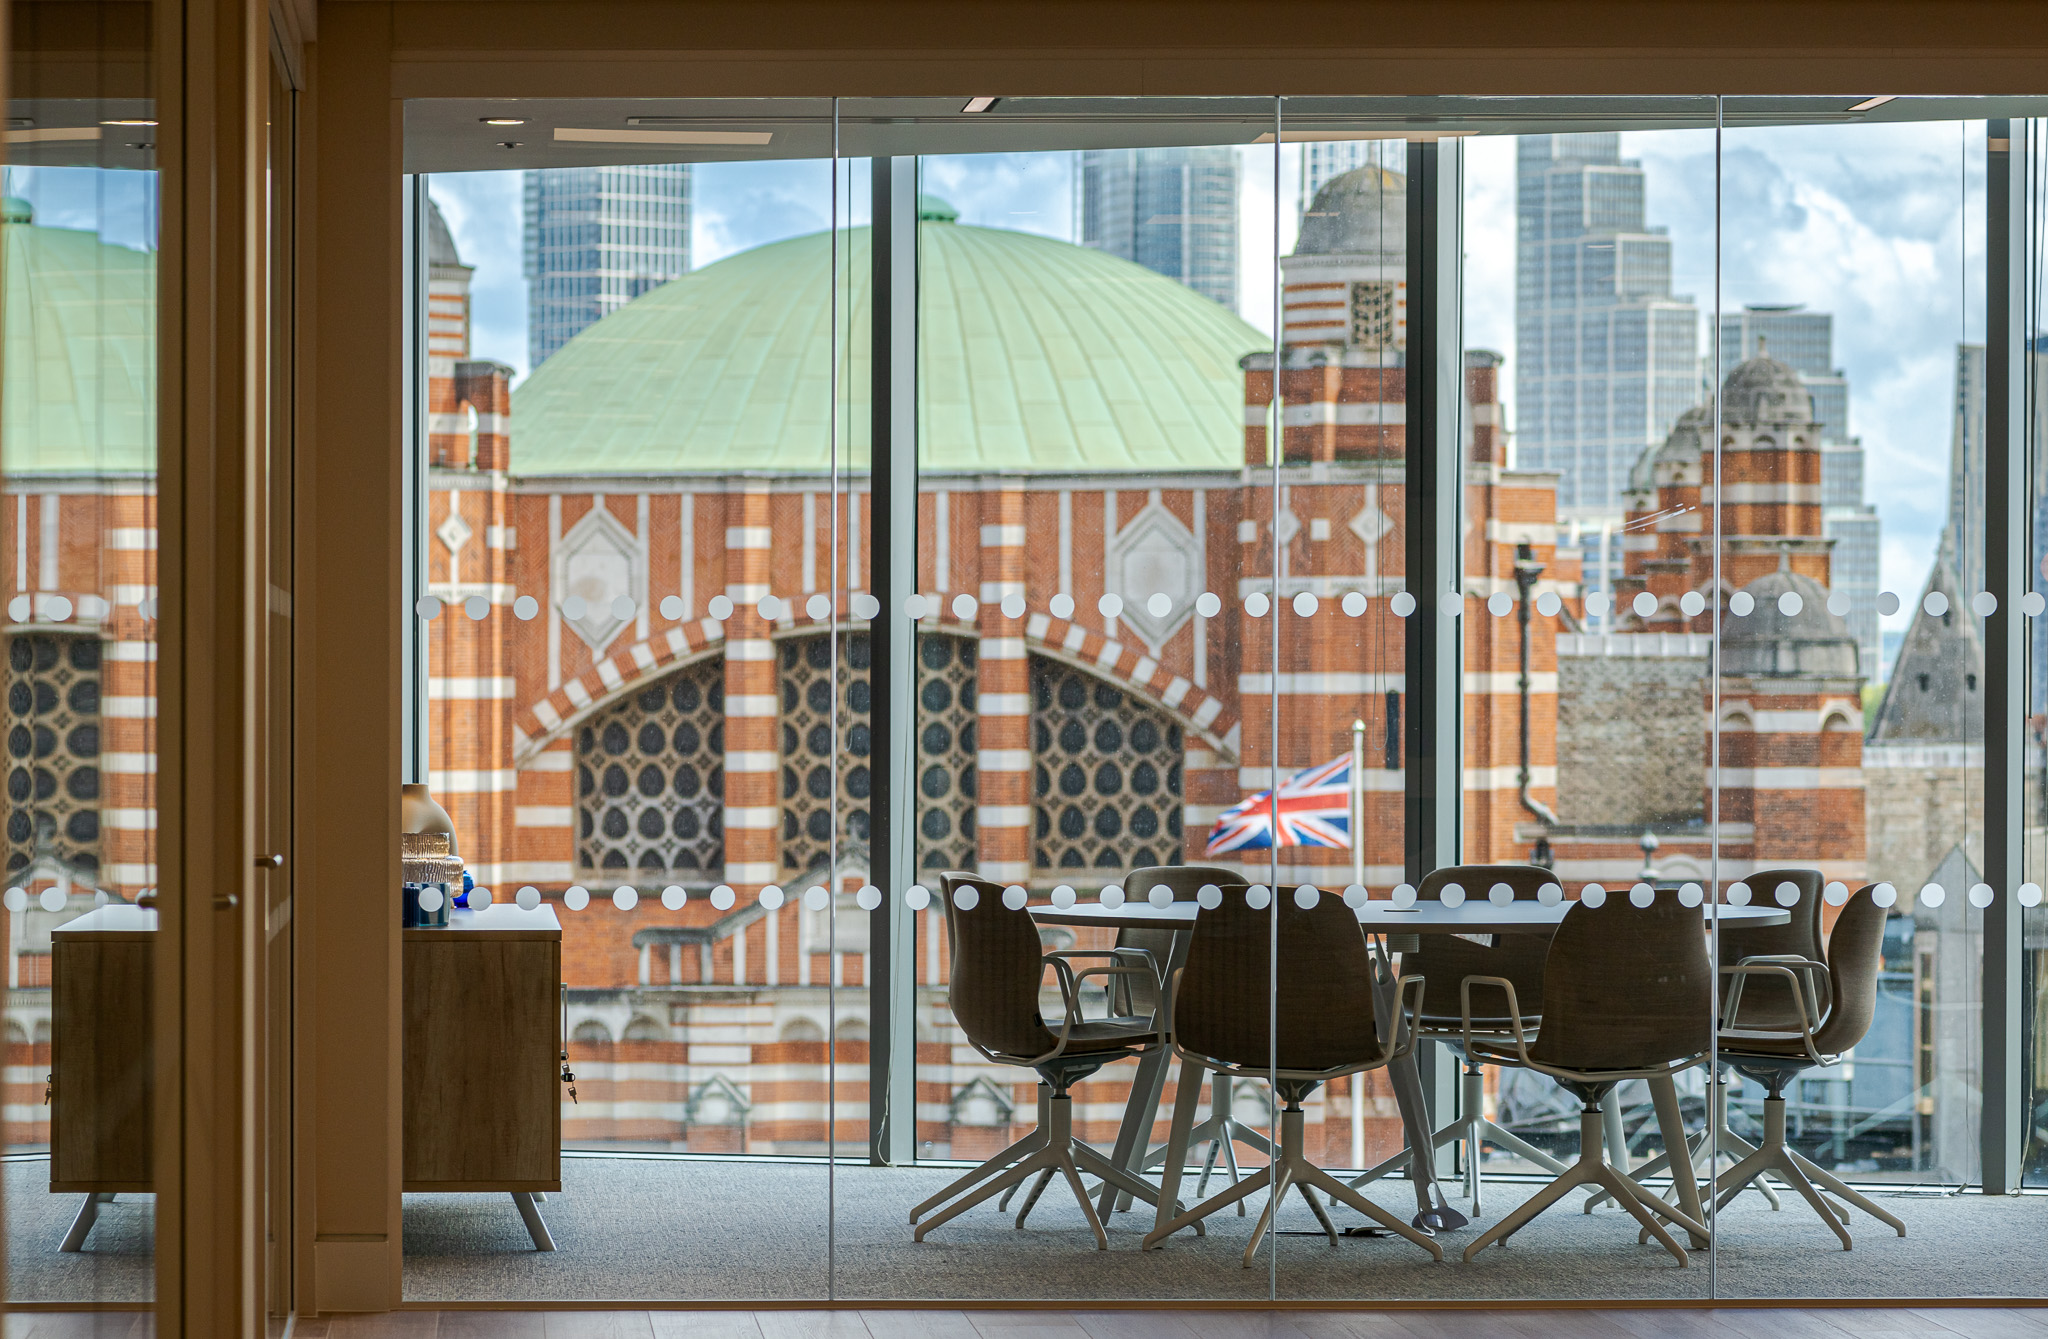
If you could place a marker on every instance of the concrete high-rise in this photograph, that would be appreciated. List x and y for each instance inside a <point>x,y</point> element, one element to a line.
<point>1324,159</point>
<point>1174,211</point>
<point>596,238</point>
<point>1608,357</point>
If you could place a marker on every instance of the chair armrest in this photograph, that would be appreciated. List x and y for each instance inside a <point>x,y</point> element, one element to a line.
<point>1788,965</point>
<point>1514,1013</point>
<point>1790,972</point>
<point>1407,1008</point>
<point>1070,992</point>
<point>1137,955</point>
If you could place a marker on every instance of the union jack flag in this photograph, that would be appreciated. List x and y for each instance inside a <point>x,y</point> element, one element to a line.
<point>1315,810</point>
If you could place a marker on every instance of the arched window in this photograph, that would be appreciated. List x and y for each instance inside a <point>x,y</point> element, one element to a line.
<point>1108,774</point>
<point>643,1028</point>
<point>945,751</point>
<point>650,781</point>
<point>53,748</point>
<point>807,722</point>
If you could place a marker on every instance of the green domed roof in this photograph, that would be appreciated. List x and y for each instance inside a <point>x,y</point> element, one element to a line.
<point>1035,354</point>
<point>79,395</point>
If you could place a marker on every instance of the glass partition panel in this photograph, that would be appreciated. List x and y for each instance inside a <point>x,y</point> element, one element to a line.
<point>79,224</point>
<point>632,659</point>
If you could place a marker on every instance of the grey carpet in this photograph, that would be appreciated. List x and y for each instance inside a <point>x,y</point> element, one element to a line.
<point>117,1264</point>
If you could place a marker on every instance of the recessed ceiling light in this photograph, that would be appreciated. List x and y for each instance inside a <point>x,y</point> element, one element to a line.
<point>978,104</point>
<point>503,120</point>
<point>732,137</point>
<point>1868,103</point>
<point>130,121</point>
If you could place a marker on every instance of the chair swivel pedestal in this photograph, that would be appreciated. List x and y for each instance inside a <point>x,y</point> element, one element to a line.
<point>1474,1129</point>
<point>1777,1158</point>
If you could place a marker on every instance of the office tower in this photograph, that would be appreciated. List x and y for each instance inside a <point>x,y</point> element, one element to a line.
<point>1804,341</point>
<point>1174,211</point>
<point>596,238</point>
<point>1608,356</point>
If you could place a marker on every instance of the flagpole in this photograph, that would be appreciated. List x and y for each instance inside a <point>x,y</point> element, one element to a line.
<point>1358,803</point>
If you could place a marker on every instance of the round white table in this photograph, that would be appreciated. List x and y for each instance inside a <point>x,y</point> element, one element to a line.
<point>1475,916</point>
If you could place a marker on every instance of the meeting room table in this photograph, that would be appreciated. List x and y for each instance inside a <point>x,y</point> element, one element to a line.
<point>1400,925</point>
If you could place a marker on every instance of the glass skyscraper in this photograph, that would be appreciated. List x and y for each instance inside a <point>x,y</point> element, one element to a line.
<point>1174,211</point>
<point>596,238</point>
<point>1609,358</point>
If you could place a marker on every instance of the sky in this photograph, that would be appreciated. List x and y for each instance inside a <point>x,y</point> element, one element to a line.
<point>1881,225</point>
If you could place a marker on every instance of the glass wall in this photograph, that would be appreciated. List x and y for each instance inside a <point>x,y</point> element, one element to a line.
<point>1063,491</point>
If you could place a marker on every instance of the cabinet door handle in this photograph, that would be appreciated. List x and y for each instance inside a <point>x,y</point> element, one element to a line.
<point>270,862</point>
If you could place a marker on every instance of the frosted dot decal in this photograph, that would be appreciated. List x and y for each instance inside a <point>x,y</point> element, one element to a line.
<point>1110,605</point>
<point>1062,606</point>
<point>1692,604</point>
<point>15,900</point>
<point>1984,604</point>
<point>722,897</point>
<point>1645,604</point>
<point>1305,605</point>
<point>866,606</point>
<point>1887,603</point>
<point>1403,604</point>
<point>100,898</point>
<point>671,607</point>
<point>868,898</point>
<point>1160,605</point>
<point>1691,895</point>
<point>92,606</point>
<point>1838,604</point>
<point>1598,604</point>
<point>1936,603</point>
<point>1500,894</point>
<point>430,900</point>
<point>1450,604</point>
<point>720,608</point>
<point>1013,606</point>
<point>1738,894</point>
<point>1258,897</point>
<point>149,608</point>
<point>1642,895</point>
<point>529,898</point>
<point>623,608</point>
<point>674,897</point>
<point>1547,604</point>
<point>1209,897</point>
<point>816,898</point>
<point>1786,894</point>
<point>1453,895</point>
<point>913,607</point>
<point>966,898</point>
<point>917,897</point>
<point>1307,896</point>
<point>1111,897</point>
<point>1835,894</point>
<point>1404,895</point>
<point>1354,604</point>
<point>1550,894</point>
<point>480,899</point>
<point>1933,895</point>
<point>1355,896</point>
<point>965,607</point>
<point>1593,895</point>
<point>818,606</point>
<point>1500,604</point>
<point>1789,604</point>
<point>576,898</point>
<point>1980,895</point>
<point>1014,897</point>
<point>1884,895</point>
<point>1256,604</point>
<point>770,608</point>
<point>2030,895</point>
<point>427,607</point>
<point>1064,897</point>
<point>479,609</point>
<point>20,607</point>
<point>1742,604</point>
<point>1208,604</point>
<point>2032,603</point>
<point>625,899</point>
<point>575,608</point>
<point>1161,896</point>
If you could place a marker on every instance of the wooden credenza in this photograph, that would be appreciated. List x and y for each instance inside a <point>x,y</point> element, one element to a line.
<point>482,1035</point>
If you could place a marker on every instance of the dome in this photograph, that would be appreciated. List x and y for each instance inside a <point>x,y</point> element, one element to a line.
<point>1764,390</point>
<point>440,241</point>
<point>1768,641</point>
<point>1034,354</point>
<point>1363,212</point>
<point>1684,446</point>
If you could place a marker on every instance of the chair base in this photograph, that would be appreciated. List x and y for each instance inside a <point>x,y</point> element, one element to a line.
<point>1784,1162</point>
<point>1593,1169</point>
<point>1049,1149</point>
<point>1289,1170</point>
<point>1475,1130</point>
<point>1222,1132</point>
<point>1724,1141</point>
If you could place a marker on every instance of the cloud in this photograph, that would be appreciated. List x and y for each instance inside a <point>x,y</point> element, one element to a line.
<point>485,214</point>
<point>737,206</point>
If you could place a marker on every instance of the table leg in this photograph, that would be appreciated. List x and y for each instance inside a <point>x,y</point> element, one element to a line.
<point>1432,1210</point>
<point>1134,1136</point>
<point>1671,1124</point>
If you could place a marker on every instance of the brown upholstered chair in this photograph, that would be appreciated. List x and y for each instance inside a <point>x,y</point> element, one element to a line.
<point>1819,1036</point>
<point>1627,994</point>
<point>998,969</point>
<point>1444,961</point>
<point>1223,1019</point>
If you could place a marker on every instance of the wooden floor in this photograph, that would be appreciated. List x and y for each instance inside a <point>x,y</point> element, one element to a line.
<point>1730,1323</point>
